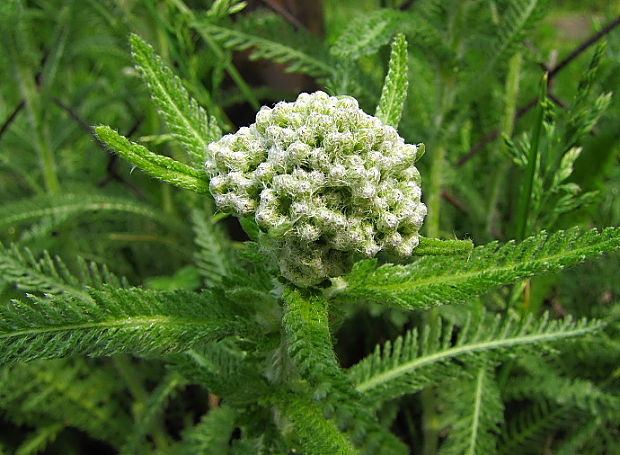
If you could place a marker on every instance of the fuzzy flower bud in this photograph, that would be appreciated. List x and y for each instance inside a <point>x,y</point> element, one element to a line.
<point>324,180</point>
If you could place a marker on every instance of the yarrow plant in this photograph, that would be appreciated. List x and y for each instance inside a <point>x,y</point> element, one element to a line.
<point>321,302</point>
<point>323,180</point>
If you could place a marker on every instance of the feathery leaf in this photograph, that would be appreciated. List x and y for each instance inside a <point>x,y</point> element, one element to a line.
<point>306,325</point>
<point>269,37</point>
<point>211,435</point>
<point>188,122</point>
<point>120,320</point>
<point>476,409</point>
<point>441,280</point>
<point>366,33</point>
<point>27,210</point>
<point>394,91</point>
<point>318,435</point>
<point>51,275</point>
<point>415,361</point>
<point>159,166</point>
<point>520,17</point>
<point>213,257</point>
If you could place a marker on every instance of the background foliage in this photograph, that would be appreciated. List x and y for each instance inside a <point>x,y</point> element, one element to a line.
<point>134,318</point>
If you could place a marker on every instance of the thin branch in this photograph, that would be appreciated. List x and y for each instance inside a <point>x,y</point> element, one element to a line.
<point>11,118</point>
<point>492,135</point>
<point>405,6</point>
<point>453,200</point>
<point>585,45</point>
<point>284,13</point>
<point>111,171</point>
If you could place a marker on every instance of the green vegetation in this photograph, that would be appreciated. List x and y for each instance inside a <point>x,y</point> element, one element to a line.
<point>139,316</point>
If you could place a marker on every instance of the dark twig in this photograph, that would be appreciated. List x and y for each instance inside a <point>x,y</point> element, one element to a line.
<point>452,199</point>
<point>492,135</point>
<point>405,6</point>
<point>11,118</point>
<point>80,121</point>
<point>557,101</point>
<point>111,171</point>
<point>585,45</point>
<point>284,13</point>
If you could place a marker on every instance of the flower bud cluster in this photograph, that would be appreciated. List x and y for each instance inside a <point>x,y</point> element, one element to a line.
<point>323,180</point>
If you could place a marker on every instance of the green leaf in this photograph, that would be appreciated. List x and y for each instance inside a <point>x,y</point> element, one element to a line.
<point>441,280</point>
<point>69,392</point>
<point>159,166</point>
<point>51,275</point>
<point>62,206</point>
<point>366,33</point>
<point>415,361</point>
<point>305,322</point>
<point>394,91</point>
<point>520,17</point>
<point>270,37</point>
<point>213,253</point>
<point>211,435</point>
<point>155,406</point>
<point>116,321</point>
<point>318,435</point>
<point>476,410</point>
<point>188,122</point>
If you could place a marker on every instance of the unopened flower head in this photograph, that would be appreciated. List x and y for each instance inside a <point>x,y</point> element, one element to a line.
<point>323,180</point>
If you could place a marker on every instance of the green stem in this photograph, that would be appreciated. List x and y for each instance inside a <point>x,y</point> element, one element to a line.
<point>231,70</point>
<point>511,90</point>
<point>31,95</point>
<point>525,197</point>
<point>434,191</point>
<point>132,379</point>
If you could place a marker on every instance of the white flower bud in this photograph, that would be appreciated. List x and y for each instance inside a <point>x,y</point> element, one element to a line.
<point>323,180</point>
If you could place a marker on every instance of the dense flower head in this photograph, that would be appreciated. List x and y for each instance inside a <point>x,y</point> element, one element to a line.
<point>323,180</point>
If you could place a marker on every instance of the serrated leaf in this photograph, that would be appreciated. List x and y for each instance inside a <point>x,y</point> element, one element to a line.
<point>416,360</point>
<point>440,280</point>
<point>114,321</point>
<point>159,166</point>
<point>366,33</point>
<point>187,121</point>
<point>394,91</point>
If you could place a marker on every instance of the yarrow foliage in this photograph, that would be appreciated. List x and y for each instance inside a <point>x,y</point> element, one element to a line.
<point>323,180</point>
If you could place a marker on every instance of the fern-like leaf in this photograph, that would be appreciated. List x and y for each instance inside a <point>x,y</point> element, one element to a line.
<point>526,431</point>
<point>366,33</point>
<point>476,410</point>
<point>63,206</point>
<point>159,166</point>
<point>213,257</point>
<point>223,370</point>
<point>394,91</point>
<point>544,382</point>
<point>441,280</point>
<point>415,360</point>
<point>520,17</point>
<point>51,275</point>
<point>69,393</point>
<point>269,37</point>
<point>120,320</point>
<point>211,435</point>
<point>188,122</point>
<point>318,435</point>
<point>155,405</point>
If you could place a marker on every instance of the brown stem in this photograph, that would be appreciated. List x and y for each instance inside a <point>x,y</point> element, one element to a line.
<point>492,135</point>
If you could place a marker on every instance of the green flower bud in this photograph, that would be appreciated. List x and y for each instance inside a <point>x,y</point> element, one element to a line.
<point>324,181</point>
